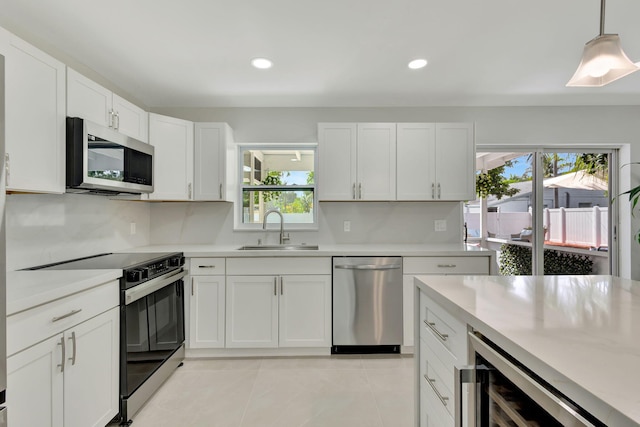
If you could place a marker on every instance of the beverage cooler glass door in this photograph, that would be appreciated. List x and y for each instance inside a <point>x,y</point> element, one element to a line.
<point>508,394</point>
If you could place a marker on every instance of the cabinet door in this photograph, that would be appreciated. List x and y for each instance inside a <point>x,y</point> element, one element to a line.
<point>305,311</point>
<point>252,311</point>
<point>376,165</point>
<point>337,161</point>
<point>209,161</point>
<point>88,99</point>
<point>35,385</point>
<point>35,119</point>
<point>416,172</point>
<point>207,312</point>
<point>130,119</point>
<point>455,160</point>
<point>92,371</point>
<point>173,157</point>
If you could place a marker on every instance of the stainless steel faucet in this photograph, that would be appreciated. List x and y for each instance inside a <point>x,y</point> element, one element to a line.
<point>283,237</point>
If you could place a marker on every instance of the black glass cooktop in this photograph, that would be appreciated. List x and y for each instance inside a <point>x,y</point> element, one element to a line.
<point>124,261</point>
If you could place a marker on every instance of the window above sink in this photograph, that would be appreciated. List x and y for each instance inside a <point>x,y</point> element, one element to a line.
<point>280,177</point>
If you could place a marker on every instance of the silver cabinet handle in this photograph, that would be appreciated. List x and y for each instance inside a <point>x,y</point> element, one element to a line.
<point>440,335</point>
<point>220,191</point>
<point>354,191</point>
<point>73,352</point>
<point>189,187</point>
<point>281,286</point>
<point>110,119</point>
<point>7,163</point>
<point>360,191</point>
<point>275,285</point>
<point>192,291</point>
<point>446,266</point>
<point>206,266</point>
<point>439,191</point>
<point>432,383</point>
<point>61,365</point>
<point>117,121</point>
<point>433,190</point>
<point>64,316</point>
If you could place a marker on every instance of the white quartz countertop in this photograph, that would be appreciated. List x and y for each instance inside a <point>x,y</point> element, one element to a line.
<point>28,289</point>
<point>579,333</point>
<point>448,249</point>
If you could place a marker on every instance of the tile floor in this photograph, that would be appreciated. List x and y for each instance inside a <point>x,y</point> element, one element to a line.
<point>353,391</point>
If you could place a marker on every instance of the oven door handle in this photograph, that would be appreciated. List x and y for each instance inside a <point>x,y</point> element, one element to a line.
<point>146,288</point>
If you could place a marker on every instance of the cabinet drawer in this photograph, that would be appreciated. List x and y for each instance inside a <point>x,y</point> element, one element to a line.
<point>446,265</point>
<point>206,266</point>
<point>32,326</point>
<point>446,329</point>
<point>432,413</point>
<point>278,265</point>
<point>437,365</point>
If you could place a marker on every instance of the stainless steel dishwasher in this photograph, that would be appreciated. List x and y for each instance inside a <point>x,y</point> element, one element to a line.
<point>367,305</point>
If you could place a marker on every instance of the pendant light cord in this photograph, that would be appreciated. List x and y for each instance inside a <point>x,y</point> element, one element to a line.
<point>602,17</point>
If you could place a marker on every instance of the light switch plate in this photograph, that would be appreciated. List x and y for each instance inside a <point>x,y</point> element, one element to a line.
<point>441,225</point>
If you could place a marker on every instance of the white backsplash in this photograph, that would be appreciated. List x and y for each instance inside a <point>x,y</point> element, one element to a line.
<point>48,228</point>
<point>371,222</point>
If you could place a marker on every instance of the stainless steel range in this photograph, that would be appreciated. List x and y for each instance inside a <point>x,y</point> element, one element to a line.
<point>151,320</point>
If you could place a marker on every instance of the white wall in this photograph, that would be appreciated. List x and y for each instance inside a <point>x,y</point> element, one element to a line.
<point>47,228</point>
<point>526,126</point>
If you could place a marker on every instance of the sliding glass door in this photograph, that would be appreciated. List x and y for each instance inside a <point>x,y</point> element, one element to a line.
<point>545,211</point>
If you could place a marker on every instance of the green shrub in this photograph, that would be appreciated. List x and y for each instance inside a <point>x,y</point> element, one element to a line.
<point>515,260</point>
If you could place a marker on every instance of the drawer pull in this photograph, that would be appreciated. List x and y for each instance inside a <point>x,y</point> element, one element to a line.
<point>206,266</point>
<point>432,383</point>
<point>64,316</point>
<point>447,266</point>
<point>440,335</point>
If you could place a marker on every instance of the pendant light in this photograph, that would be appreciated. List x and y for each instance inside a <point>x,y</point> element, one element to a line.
<point>603,60</point>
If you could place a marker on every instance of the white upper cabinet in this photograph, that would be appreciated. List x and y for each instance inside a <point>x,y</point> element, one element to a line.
<point>416,147</point>
<point>172,159</point>
<point>214,162</point>
<point>436,161</point>
<point>91,101</point>
<point>455,161</point>
<point>35,118</point>
<point>357,161</point>
<point>376,161</point>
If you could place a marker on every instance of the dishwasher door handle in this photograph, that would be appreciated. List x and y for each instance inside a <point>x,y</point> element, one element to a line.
<point>368,267</point>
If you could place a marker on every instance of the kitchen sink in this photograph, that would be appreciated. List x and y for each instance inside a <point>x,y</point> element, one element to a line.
<point>278,248</point>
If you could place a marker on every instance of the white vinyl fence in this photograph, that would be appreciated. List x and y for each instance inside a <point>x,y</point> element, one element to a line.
<point>567,226</point>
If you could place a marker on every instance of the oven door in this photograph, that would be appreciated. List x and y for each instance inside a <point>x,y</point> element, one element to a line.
<point>153,327</point>
<point>508,394</point>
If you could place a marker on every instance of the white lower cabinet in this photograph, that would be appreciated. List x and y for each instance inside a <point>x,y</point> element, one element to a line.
<point>207,303</point>
<point>70,379</point>
<point>442,345</point>
<point>269,310</point>
<point>418,266</point>
<point>63,364</point>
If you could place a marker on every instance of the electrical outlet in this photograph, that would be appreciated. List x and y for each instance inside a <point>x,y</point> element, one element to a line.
<point>346,226</point>
<point>132,228</point>
<point>441,225</point>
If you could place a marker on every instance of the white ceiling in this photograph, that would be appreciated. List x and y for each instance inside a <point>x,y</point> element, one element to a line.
<point>331,53</point>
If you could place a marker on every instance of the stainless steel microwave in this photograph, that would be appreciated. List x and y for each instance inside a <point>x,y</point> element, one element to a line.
<point>101,160</point>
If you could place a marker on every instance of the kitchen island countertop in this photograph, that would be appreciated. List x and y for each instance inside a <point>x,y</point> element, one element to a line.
<point>579,333</point>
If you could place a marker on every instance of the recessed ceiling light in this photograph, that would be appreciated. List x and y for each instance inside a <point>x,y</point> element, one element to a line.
<point>417,63</point>
<point>262,63</point>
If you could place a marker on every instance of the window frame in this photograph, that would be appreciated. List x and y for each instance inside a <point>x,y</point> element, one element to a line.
<point>239,225</point>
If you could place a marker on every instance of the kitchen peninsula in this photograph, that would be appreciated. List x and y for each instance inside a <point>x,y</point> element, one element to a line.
<point>577,333</point>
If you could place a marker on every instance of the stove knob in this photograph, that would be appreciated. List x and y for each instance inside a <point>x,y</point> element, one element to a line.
<point>176,261</point>
<point>134,276</point>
